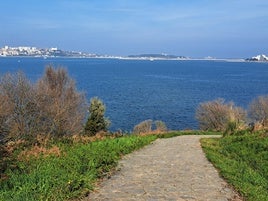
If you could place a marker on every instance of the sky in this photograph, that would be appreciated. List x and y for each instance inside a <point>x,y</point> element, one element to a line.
<point>194,28</point>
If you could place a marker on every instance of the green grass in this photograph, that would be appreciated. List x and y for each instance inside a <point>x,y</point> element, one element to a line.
<point>74,173</point>
<point>243,162</point>
<point>187,132</point>
<point>71,175</point>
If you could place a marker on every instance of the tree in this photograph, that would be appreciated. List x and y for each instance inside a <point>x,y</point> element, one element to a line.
<point>62,106</point>
<point>258,110</point>
<point>53,106</point>
<point>218,116</point>
<point>18,110</point>
<point>96,121</point>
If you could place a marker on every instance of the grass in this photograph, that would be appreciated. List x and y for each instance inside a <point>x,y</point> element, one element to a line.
<point>243,161</point>
<point>187,132</point>
<point>68,170</point>
<point>70,175</point>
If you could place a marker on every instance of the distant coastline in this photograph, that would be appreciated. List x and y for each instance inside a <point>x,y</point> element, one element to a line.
<point>34,52</point>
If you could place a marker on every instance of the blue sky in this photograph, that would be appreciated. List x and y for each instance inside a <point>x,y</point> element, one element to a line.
<point>195,28</point>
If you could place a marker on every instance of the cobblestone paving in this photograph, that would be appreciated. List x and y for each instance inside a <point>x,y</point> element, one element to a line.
<point>173,169</point>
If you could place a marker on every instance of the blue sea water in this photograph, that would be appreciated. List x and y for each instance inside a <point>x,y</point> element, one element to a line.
<point>136,90</point>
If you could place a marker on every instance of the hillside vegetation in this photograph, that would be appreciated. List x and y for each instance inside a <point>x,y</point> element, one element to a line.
<point>243,161</point>
<point>66,170</point>
<point>49,151</point>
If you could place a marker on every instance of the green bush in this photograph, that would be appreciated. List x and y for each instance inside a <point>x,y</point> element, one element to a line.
<point>96,121</point>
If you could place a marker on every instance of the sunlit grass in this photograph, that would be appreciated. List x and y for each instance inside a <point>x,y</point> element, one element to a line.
<point>70,175</point>
<point>243,162</point>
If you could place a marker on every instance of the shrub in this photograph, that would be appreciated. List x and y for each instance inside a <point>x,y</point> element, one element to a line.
<point>258,110</point>
<point>160,126</point>
<point>53,106</point>
<point>219,116</point>
<point>143,127</point>
<point>18,111</point>
<point>63,108</point>
<point>96,121</point>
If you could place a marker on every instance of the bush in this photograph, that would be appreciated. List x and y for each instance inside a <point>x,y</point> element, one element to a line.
<point>219,116</point>
<point>146,127</point>
<point>160,126</point>
<point>53,106</point>
<point>63,108</point>
<point>96,121</point>
<point>258,110</point>
<point>143,127</point>
<point>19,112</point>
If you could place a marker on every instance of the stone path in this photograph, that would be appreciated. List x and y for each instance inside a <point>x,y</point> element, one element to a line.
<point>173,169</point>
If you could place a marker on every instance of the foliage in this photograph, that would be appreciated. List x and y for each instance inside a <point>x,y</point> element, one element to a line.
<point>18,110</point>
<point>258,110</point>
<point>52,106</point>
<point>96,121</point>
<point>63,107</point>
<point>160,126</point>
<point>242,161</point>
<point>149,127</point>
<point>218,116</point>
<point>70,175</point>
<point>143,127</point>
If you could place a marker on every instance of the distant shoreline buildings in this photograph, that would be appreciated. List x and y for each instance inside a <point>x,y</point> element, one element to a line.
<point>26,51</point>
<point>41,52</point>
<point>261,57</point>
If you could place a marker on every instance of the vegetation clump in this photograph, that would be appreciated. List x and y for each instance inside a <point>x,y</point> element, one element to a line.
<point>68,173</point>
<point>220,116</point>
<point>258,110</point>
<point>146,127</point>
<point>45,157</point>
<point>52,107</point>
<point>242,161</point>
<point>96,121</point>
<point>63,106</point>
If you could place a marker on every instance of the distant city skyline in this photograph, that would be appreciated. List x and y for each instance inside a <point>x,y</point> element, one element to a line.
<point>222,29</point>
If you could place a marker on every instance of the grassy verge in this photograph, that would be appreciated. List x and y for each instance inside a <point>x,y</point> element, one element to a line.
<point>70,175</point>
<point>243,162</point>
<point>187,132</point>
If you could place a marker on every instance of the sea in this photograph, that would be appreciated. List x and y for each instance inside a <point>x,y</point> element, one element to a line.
<point>166,90</point>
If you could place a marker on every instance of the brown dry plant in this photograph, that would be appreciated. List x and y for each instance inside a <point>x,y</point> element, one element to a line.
<point>143,127</point>
<point>18,112</point>
<point>38,151</point>
<point>217,115</point>
<point>258,110</point>
<point>63,108</point>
